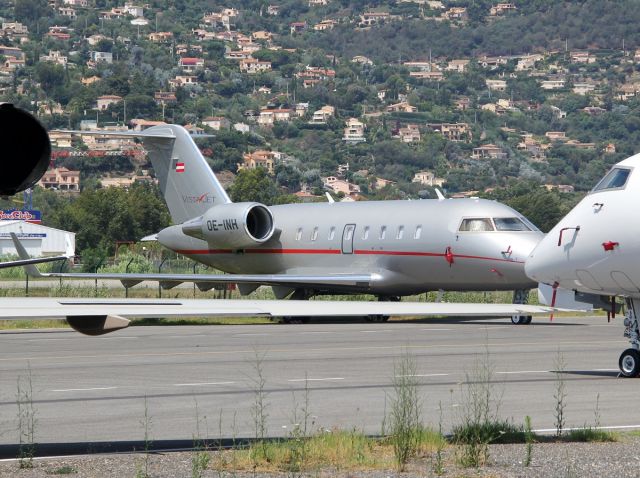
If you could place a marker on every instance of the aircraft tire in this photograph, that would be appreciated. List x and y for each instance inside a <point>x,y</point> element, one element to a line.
<point>528,319</point>
<point>520,319</point>
<point>629,363</point>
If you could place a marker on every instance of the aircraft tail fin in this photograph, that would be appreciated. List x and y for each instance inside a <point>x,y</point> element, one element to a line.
<point>30,269</point>
<point>187,182</point>
<point>189,186</point>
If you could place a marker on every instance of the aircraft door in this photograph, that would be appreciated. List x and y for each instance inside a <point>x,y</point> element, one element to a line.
<point>347,238</point>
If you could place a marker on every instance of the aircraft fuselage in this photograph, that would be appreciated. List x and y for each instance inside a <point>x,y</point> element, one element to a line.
<point>410,246</point>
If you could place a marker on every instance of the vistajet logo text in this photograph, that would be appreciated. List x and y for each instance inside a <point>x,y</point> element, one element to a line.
<point>204,198</point>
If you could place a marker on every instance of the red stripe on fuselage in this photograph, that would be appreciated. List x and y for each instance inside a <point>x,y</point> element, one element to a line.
<point>293,251</point>
<point>433,254</point>
<point>338,251</point>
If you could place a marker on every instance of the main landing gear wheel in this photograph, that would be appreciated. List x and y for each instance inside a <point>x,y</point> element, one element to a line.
<point>630,363</point>
<point>521,319</point>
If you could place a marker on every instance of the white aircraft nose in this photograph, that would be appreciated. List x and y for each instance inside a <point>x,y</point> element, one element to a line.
<point>541,265</point>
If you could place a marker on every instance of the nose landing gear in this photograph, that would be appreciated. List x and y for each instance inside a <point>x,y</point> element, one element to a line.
<point>629,361</point>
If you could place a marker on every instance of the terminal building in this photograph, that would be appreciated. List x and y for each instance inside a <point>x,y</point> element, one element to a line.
<point>37,239</point>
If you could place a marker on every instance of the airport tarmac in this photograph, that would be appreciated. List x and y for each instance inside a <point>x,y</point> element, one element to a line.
<point>189,378</point>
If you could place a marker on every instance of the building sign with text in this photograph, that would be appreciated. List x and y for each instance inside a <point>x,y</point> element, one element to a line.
<point>32,216</point>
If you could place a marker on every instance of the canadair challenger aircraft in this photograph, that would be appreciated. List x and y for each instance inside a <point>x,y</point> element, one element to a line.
<point>386,248</point>
<point>592,255</point>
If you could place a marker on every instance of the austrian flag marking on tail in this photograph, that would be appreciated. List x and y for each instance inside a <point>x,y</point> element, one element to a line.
<point>179,167</point>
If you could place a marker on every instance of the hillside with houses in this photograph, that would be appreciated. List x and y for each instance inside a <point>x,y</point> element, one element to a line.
<point>365,100</point>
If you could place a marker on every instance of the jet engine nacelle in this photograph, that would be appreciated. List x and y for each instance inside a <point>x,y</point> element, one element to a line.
<point>97,324</point>
<point>26,150</point>
<point>233,225</point>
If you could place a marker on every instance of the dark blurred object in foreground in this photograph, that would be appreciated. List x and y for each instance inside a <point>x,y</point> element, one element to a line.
<point>26,150</point>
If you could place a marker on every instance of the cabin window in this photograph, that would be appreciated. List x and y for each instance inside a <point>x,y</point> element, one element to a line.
<point>299,234</point>
<point>332,233</point>
<point>365,233</point>
<point>400,233</point>
<point>476,225</point>
<point>615,179</point>
<point>314,234</point>
<point>510,224</point>
<point>348,234</point>
<point>383,232</point>
<point>418,233</point>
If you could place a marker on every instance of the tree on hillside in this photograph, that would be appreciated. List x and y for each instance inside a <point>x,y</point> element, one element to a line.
<point>49,75</point>
<point>30,11</point>
<point>256,185</point>
<point>542,207</point>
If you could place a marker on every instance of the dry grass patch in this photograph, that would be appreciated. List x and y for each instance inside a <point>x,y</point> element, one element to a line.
<point>337,450</point>
<point>33,324</point>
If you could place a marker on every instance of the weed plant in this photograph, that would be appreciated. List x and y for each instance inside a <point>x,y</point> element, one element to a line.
<point>299,434</point>
<point>480,422</point>
<point>560,394</point>
<point>259,409</point>
<point>590,434</point>
<point>438,466</point>
<point>27,420</point>
<point>200,456</point>
<point>63,470</point>
<point>142,468</point>
<point>404,419</point>
<point>528,438</point>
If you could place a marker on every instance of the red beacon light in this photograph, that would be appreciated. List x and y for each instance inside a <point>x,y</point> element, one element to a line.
<point>610,245</point>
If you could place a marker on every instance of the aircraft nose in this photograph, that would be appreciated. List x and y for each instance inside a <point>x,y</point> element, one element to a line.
<point>524,246</point>
<point>541,266</point>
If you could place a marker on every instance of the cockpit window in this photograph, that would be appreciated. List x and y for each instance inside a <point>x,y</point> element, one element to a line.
<point>510,224</point>
<point>615,179</point>
<point>476,225</point>
<point>529,224</point>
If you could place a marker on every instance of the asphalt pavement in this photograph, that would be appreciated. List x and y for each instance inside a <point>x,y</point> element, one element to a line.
<point>205,380</point>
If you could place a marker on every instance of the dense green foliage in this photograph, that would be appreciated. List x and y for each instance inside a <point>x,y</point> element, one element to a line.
<point>255,185</point>
<point>102,217</point>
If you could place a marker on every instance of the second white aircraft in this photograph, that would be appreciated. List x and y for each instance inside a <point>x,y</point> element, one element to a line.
<point>593,254</point>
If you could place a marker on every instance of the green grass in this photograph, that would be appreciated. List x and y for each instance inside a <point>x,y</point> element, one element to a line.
<point>588,434</point>
<point>33,324</point>
<point>505,432</point>
<point>488,432</point>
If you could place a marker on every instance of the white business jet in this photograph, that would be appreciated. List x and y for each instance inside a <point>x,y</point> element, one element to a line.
<point>593,255</point>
